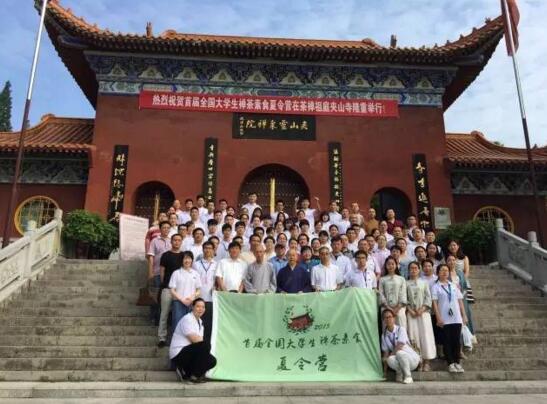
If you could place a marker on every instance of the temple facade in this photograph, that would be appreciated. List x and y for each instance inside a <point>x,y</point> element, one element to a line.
<point>183,114</point>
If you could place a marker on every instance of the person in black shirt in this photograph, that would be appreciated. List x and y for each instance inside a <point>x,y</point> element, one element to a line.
<point>170,261</point>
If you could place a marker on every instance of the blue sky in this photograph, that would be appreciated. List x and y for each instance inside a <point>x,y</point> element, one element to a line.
<point>489,105</point>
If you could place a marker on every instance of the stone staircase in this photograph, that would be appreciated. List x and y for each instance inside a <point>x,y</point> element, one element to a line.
<point>79,322</point>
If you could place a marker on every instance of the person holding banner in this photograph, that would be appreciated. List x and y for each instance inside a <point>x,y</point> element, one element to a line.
<point>420,328</point>
<point>393,291</point>
<point>188,351</point>
<point>397,353</point>
<point>260,276</point>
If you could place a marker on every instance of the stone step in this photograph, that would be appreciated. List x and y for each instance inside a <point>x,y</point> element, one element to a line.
<point>36,296</point>
<point>243,389</point>
<point>162,363</point>
<point>81,352</point>
<point>481,351</point>
<point>514,299</point>
<point>273,392</point>
<point>106,302</point>
<point>112,363</point>
<point>129,311</point>
<point>504,339</point>
<point>66,321</point>
<point>128,282</point>
<point>78,340</point>
<point>53,276</point>
<point>112,330</point>
<point>484,322</point>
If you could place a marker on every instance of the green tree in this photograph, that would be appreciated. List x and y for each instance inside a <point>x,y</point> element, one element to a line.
<point>5,108</point>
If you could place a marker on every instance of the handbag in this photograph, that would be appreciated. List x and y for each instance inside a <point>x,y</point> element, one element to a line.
<point>148,296</point>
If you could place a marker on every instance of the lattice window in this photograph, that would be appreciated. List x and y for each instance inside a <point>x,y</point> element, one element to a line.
<point>491,213</point>
<point>38,208</point>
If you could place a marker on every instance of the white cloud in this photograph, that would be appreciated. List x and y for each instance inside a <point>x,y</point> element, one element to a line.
<point>489,105</point>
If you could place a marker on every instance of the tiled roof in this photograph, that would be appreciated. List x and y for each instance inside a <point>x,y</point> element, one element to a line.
<point>472,150</point>
<point>52,134</point>
<point>71,35</point>
<point>363,51</point>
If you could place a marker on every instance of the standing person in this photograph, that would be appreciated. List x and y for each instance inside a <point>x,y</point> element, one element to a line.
<point>293,278</point>
<point>305,206</point>
<point>185,285</point>
<point>450,314</point>
<point>170,261</point>
<point>200,204</point>
<point>355,210</point>
<point>457,277</point>
<point>154,231</point>
<point>393,291</point>
<point>222,251</point>
<point>433,254</point>
<point>462,264</point>
<point>231,271</point>
<point>334,215</point>
<point>344,223</point>
<point>261,276</point>
<point>197,246</point>
<point>206,268</point>
<point>251,204</point>
<point>392,221</point>
<point>173,221</point>
<point>188,351</point>
<point>326,276</point>
<point>308,260</point>
<point>362,276</point>
<point>370,222</point>
<point>194,218</point>
<point>396,350</point>
<point>405,258</point>
<point>420,328</point>
<point>269,244</point>
<point>156,249</point>
<point>184,215</point>
<point>280,260</point>
<point>279,209</point>
<point>342,262</point>
<point>381,252</point>
<point>418,239</point>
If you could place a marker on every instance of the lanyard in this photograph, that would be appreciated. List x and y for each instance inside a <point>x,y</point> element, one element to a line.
<point>448,292</point>
<point>364,274</point>
<point>203,265</point>
<point>225,245</point>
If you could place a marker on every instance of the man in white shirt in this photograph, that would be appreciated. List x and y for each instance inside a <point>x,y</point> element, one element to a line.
<point>334,215</point>
<point>338,258</point>
<point>206,267</point>
<point>353,242</point>
<point>194,218</point>
<point>173,221</point>
<point>325,276</point>
<point>344,223</point>
<point>231,271</point>
<point>209,213</point>
<point>251,205</point>
<point>222,250</point>
<point>184,215</point>
<point>196,247</point>
<point>309,212</point>
<point>363,276</point>
<point>200,203</point>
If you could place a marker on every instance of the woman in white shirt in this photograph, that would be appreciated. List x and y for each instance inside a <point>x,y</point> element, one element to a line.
<point>396,350</point>
<point>450,314</point>
<point>188,352</point>
<point>420,328</point>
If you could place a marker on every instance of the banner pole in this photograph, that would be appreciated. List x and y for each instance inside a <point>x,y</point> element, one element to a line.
<point>532,170</point>
<point>18,161</point>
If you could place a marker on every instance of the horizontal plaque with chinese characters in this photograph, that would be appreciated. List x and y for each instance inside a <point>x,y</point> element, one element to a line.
<point>269,104</point>
<point>274,127</point>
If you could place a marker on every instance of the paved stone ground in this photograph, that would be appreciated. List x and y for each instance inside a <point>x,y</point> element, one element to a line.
<point>461,399</point>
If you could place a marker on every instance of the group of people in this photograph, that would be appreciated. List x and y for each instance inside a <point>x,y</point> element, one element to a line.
<point>423,291</point>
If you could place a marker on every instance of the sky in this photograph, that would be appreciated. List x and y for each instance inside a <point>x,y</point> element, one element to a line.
<point>489,105</point>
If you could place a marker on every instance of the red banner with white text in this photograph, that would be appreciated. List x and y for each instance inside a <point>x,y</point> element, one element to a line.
<point>269,104</point>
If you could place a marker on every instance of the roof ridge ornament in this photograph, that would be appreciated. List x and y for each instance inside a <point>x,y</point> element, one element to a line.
<point>149,31</point>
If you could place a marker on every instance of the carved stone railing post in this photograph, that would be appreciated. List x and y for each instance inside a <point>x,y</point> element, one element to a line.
<point>58,216</point>
<point>29,253</point>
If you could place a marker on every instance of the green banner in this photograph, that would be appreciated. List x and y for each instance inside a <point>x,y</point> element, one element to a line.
<point>328,336</point>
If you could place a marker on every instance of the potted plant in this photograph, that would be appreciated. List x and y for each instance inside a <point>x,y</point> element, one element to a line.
<point>88,235</point>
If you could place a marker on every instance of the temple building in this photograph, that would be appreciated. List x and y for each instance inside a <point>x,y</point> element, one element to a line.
<point>184,114</point>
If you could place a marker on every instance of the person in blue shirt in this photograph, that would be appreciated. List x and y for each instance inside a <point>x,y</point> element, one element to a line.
<point>294,277</point>
<point>279,261</point>
<point>308,260</point>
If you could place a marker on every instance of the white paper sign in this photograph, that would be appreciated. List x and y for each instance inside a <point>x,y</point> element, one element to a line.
<point>442,217</point>
<point>133,231</point>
